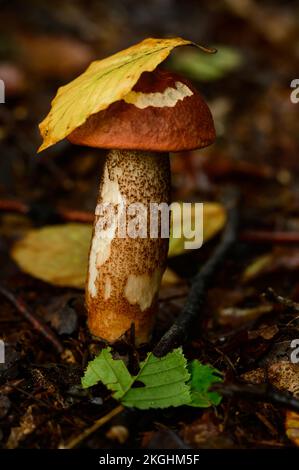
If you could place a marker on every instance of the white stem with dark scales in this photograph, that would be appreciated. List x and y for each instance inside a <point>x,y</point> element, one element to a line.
<point>125,273</point>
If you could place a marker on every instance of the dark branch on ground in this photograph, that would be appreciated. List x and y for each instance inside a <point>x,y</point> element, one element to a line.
<point>258,393</point>
<point>180,330</point>
<point>10,205</point>
<point>264,236</point>
<point>37,323</point>
<point>272,296</point>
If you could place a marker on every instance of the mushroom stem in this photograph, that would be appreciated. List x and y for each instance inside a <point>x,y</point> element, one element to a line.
<point>126,264</point>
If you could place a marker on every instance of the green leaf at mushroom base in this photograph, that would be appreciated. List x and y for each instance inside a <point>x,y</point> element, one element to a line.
<point>202,379</point>
<point>164,380</point>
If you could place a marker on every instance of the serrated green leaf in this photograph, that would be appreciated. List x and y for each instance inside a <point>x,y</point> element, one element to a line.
<point>164,379</point>
<point>112,372</point>
<point>202,378</point>
<point>165,382</point>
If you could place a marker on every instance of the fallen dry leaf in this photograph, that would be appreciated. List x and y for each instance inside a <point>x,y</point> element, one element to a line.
<point>283,375</point>
<point>206,432</point>
<point>235,316</point>
<point>26,427</point>
<point>279,259</point>
<point>255,376</point>
<point>170,277</point>
<point>258,266</point>
<point>214,219</point>
<point>292,426</point>
<point>264,331</point>
<point>56,254</point>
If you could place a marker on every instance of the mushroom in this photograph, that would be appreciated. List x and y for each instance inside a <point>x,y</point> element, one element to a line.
<point>163,113</point>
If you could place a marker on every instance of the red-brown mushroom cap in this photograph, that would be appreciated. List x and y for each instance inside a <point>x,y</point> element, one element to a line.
<point>163,113</point>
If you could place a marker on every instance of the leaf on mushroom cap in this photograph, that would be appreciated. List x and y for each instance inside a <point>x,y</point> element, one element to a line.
<point>104,82</point>
<point>164,112</point>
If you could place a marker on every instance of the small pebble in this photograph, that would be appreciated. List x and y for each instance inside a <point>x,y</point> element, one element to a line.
<point>118,433</point>
<point>97,401</point>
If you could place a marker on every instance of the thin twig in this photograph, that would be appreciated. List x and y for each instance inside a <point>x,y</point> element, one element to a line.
<point>272,296</point>
<point>170,298</point>
<point>30,395</point>
<point>179,331</point>
<point>258,393</point>
<point>36,322</point>
<point>10,205</point>
<point>70,215</point>
<point>88,431</point>
<point>264,236</point>
<point>58,213</point>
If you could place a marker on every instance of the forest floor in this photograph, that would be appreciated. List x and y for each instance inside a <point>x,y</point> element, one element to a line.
<point>243,329</point>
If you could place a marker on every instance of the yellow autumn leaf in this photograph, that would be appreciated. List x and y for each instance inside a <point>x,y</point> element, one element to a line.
<point>58,254</point>
<point>170,277</point>
<point>214,219</point>
<point>257,267</point>
<point>292,426</point>
<point>104,82</point>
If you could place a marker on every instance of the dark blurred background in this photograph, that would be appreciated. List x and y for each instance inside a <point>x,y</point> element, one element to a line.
<point>45,44</point>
